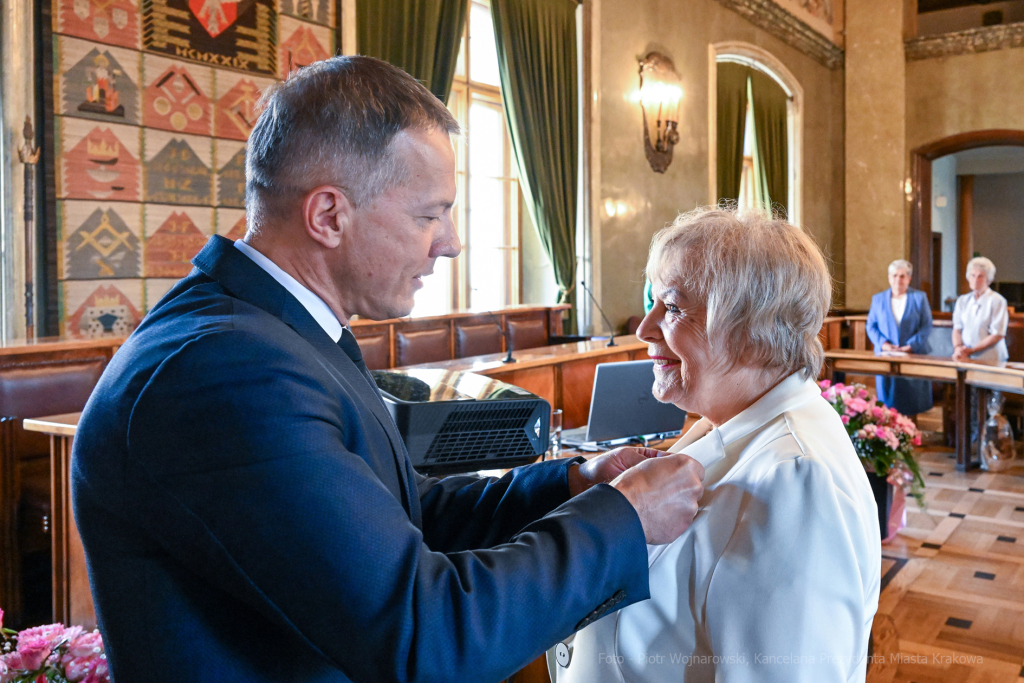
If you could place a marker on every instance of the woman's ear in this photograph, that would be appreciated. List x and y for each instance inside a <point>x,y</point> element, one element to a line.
<point>327,213</point>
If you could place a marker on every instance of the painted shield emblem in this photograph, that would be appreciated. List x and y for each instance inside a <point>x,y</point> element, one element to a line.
<point>215,15</point>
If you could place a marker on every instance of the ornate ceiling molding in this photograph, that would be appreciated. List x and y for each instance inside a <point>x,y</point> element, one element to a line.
<point>775,20</point>
<point>971,41</point>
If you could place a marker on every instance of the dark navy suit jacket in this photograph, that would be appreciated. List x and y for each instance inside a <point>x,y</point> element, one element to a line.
<point>909,396</point>
<point>249,513</point>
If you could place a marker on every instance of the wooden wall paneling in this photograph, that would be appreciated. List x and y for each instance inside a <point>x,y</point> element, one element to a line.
<point>10,558</point>
<point>1015,341</point>
<point>540,381</point>
<point>72,598</point>
<point>555,322</point>
<point>964,229</point>
<point>578,385</point>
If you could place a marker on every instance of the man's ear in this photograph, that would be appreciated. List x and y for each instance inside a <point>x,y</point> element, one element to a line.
<point>327,213</point>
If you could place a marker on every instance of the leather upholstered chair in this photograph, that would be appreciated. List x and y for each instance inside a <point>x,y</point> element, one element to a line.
<point>527,333</point>
<point>422,346</point>
<point>376,350</point>
<point>477,340</point>
<point>32,389</point>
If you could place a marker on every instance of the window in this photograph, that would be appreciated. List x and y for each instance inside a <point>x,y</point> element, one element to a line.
<point>486,275</point>
<point>751,185</point>
<point>750,191</point>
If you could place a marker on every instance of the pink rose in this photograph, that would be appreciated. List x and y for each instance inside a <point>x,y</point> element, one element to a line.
<point>845,419</point>
<point>825,383</point>
<point>863,393</point>
<point>35,644</point>
<point>878,413</point>
<point>85,644</point>
<point>99,674</point>
<point>858,404</point>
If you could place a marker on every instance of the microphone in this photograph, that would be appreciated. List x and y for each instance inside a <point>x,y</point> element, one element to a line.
<point>611,341</point>
<point>504,335</point>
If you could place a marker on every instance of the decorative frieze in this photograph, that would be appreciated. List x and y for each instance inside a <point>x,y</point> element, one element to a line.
<point>971,41</point>
<point>789,29</point>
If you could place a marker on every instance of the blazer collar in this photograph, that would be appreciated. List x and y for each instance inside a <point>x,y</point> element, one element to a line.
<point>709,445</point>
<point>239,275</point>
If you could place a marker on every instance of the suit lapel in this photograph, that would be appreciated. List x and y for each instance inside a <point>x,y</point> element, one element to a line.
<point>907,323</point>
<point>238,274</point>
<point>892,329</point>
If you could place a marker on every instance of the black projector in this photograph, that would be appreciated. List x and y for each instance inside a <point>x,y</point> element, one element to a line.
<point>454,421</point>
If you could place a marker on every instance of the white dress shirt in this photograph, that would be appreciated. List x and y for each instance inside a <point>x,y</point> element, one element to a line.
<point>978,318</point>
<point>776,580</point>
<point>320,311</point>
<point>899,304</point>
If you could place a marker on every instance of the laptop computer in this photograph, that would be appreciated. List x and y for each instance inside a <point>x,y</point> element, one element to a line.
<point>623,408</point>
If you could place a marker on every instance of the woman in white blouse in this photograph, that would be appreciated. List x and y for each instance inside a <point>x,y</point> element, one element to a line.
<point>777,579</point>
<point>980,316</point>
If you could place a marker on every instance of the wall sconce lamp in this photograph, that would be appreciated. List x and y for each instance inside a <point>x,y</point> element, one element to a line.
<point>660,94</point>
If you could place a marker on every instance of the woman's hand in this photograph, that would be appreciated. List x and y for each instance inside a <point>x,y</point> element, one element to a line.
<point>886,346</point>
<point>962,353</point>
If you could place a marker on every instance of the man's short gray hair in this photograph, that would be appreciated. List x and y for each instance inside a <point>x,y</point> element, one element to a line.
<point>764,283</point>
<point>333,123</point>
<point>982,263</point>
<point>901,263</point>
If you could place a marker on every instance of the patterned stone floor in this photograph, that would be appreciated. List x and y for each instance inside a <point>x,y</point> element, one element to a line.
<point>952,601</point>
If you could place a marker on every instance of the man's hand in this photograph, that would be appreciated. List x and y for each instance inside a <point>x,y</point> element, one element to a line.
<point>962,353</point>
<point>664,491</point>
<point>605,467</point>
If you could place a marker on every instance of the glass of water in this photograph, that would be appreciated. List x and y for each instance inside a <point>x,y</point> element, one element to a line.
<point>555,433</point>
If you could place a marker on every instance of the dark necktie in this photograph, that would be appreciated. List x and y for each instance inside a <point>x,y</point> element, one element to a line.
<point>350,346</point>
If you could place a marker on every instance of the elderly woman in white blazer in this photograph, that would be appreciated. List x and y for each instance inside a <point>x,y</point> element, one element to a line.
<point>777,579</point>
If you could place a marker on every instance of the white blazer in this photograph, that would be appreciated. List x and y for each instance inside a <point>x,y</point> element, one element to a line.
<point>778,577</point>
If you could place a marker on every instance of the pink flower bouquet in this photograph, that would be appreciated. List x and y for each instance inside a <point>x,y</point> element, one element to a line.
<point>52,654</point>
<point>883,438</point>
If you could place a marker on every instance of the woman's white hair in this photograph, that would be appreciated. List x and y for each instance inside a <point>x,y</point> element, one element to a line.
<point>764,283</point>
<point>901,263</point>
<point>982,263</point>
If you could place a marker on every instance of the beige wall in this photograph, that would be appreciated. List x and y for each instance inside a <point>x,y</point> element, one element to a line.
<point>964,93</point>
<point>684,31</point>
<point>875,146</point>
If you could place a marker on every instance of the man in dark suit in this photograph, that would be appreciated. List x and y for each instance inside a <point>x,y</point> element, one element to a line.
<point>248,509</point>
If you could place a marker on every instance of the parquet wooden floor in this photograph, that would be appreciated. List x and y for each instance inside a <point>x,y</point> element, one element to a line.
<point>952,601</point>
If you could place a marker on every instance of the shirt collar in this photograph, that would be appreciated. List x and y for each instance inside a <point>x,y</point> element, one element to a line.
<point>707,444</point>
<point>320,311</point>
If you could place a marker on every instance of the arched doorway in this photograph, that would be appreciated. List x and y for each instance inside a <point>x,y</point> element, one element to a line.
<point>921,160</point>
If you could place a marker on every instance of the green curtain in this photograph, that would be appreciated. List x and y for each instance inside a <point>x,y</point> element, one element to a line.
<point>732,117</point>
<point>420,36</point>
<point>770,103</point>
<point>536,42</point>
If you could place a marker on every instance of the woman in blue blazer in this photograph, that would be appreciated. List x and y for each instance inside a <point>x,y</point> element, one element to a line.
<point>900,319</point>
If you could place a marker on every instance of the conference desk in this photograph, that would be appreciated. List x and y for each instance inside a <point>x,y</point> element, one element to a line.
<point>986,375</point>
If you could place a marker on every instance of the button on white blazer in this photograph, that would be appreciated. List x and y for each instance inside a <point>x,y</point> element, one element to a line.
<point>778,577</point>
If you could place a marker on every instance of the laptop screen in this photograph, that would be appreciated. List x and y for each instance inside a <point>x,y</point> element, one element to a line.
<point>622,404</point>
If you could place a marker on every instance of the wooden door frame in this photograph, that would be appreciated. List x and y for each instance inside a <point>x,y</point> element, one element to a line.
<point>921,159</point>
